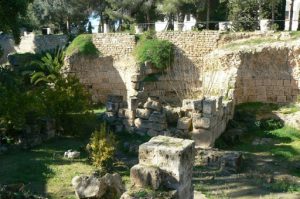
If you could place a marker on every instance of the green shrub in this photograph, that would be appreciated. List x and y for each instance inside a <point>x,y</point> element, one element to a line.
<point>83,44</point>
<point>158,52</point>
<point>270,124</point>
<point>79,124</point>
<point>102,148</point>
<point>22,102</point>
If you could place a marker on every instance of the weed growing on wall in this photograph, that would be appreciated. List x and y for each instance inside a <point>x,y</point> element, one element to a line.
<point>83,44</point>
<point>158,52</point>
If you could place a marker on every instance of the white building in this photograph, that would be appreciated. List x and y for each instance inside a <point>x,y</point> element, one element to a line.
<point>295,21</point>
<point>188,24</point>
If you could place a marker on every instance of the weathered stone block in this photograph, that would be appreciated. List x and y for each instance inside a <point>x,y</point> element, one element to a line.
<point>129,114</point>
<point>203,138</point>
<point>152,104</point>
<point>157,117</point>
<point>140,123</point>
<point>158,126</point>
<point>143,113</point>
<point>184,123</point>
<point>190,104</point>
<point>146,176</point>
<point>172,114</point>
<point>175,157</point>
<point>202,122</point>
<point>209,106</point>
<point>133,103</point>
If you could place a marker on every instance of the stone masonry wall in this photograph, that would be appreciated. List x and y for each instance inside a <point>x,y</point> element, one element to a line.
<point>204,120</point>
<point>265,73</point>
<point>109,74</point>
<point>183,79</point>
<point>31,43</point>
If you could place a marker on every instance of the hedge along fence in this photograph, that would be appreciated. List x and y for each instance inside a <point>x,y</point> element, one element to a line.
<point>158,52</point>
<point>83,44</point>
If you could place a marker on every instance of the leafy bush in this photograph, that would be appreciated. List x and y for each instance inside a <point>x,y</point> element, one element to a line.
<point>79,124</point>
<point>270,124</point>
<point>158,52</point>
<point>83,45</point>
<point>47,69</point>
<point>102,148</point>
<point>22,102</point>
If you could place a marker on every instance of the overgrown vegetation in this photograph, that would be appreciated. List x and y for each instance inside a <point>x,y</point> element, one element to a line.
<point>83,45</point>
<point>260,121</point>
<point>102,148</point>
<point>34,90</point>
<point>157,52</point>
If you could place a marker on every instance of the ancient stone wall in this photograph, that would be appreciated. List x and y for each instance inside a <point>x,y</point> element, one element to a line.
<point>31,43</point>
<point>204,120</point>
<point>264,73</point>
<point>110,73</point>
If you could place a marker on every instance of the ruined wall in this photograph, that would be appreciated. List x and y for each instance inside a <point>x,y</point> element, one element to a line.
<point>109,74</point>
<point>264,73</point>
<point>183,79</point>
<point>31,43</point>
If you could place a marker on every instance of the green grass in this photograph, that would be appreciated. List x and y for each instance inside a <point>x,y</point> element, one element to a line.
<point>289,109</point>
<point>295,34</point>
<point>43,170</point>
<point>83,44</point>
<point>257,41</point>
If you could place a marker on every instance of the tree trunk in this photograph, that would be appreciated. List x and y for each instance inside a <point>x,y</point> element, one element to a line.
<point>208,14</point>
<point>260,10</point>
<point>291,15</point>
<point>273,12</point>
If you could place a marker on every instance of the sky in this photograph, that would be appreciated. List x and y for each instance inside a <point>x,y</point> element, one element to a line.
<point>95,23</point>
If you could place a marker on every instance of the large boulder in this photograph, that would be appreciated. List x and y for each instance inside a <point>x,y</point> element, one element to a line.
<point>89,186</point>
<point>107,187</point>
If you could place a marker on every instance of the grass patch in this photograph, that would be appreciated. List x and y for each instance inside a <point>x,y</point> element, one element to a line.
<point>43,170</point>
<point>295,34</point>
<point>289,109</point>
<point>83,44</point>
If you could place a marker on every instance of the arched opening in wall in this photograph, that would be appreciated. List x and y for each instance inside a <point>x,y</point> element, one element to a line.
<point>99,75</point>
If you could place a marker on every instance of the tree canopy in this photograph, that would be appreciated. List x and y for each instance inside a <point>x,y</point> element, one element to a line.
<point>10,15</point>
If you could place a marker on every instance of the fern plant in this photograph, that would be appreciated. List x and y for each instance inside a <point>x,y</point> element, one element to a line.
<point>48,68</point>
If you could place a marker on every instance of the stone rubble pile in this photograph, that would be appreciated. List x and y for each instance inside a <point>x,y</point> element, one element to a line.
<point>165,165</point>
<point>204,120</point>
